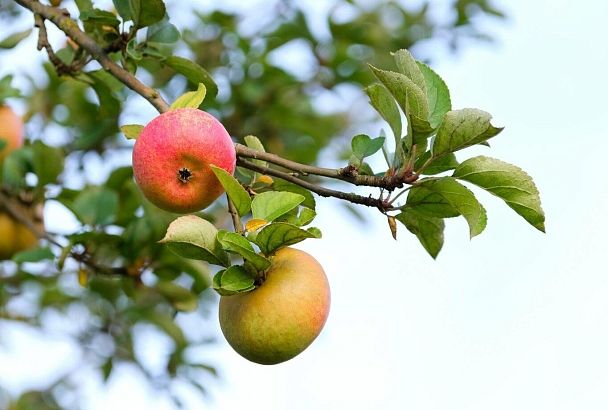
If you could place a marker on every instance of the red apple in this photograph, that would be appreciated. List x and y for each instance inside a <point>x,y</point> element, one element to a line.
<point>172,155</point>
<point>284,315</point>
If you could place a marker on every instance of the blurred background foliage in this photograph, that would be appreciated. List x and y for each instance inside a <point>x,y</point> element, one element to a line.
<point>107,280</point>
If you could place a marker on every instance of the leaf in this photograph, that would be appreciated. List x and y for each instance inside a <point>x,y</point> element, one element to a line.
<point>456,196</point>
<point>100,17</point>
<point>14,39</point>
<point>253,225</point>
<point>385,104</point>
<point>166,324</point>
<point>271,205</point>
<point>364,146</point>
<point>163,33</point>
<point>235,191</point>
<point>235,243</point>
<point>407,65</point>
<point>124,9</point>
<point>6,89</point>
<point>233,280</point>
<point>132,131</point>
<point>286,186</point>
<point>133,51</point>
<point>96,206</point>
<point>193,237</point>
<point>437,94</point>
<point>47,162</point>
<point>181,298</point>
<point>463,128</point>
<point>508,182</point>
<point>191,99</point>
<point>34,255</point>
<point>280,234</point>
<point>410,97</point>
<point>143,12</point>
<point>428,230</point>
<point>254,142</point>
<point>193,72</point>
<point>436,165</point>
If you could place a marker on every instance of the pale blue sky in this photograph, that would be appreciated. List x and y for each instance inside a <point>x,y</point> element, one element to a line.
<point>513,319</point>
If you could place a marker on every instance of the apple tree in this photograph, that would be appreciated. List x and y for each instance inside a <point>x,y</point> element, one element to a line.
<point>224,175</point>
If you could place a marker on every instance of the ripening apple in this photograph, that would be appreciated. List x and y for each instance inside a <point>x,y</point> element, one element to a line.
<point>14,237</point>
<point>172,155</point>
<point>11,131</point>
<point>280,318</point>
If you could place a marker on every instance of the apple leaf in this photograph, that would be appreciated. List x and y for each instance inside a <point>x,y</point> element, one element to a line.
<point>271,205</point>
<point>428,229</point>
<point>437,95</point>
<point>193,72</point>
<point>363,146</point>
<point>14,39</point>
<point>406,64</point>
<point>436,165</point>
<point>191,99</point>
<point>34,255</point>
<point>47,162</point>
<point>233,280</point>
<point>96,206</point>
<point>195,238</point>
<point>235,191</point>
<point>131,131</point>
<point>451,198</point>
<point>461,129</point>
<point>280,234</point>
<point>235,243</point>
<point>253,224</point>
<point>384,103</point>
<point>508,182</point>
<point>285,186</point>
<point>162,33</point>
<point>181,298</point>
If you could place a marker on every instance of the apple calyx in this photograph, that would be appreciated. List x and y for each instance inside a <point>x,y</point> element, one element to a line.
<point>184,175</point>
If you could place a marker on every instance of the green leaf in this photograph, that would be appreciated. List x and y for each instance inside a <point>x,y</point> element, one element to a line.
<point>280,234</point>
<point>6,89</point>
<point>34,255</point>
<point>166,324</point>
<point>96,206</point>
<point>131,131</point>
<point>143,12</point>
<point>254,142</point>
<point>233,280</point>
<point>124,9</point>
<point>458,197</point>
<point>428,230</point>
<point>181,298</point>
<point>133,51</point>
<point>407,65</point>
<point>410,97</point>
<point>463,128</point>
<point>100,17</point>
<point>163,33</point>
<point>364,146</point>
<point>436,165</point>
<point>508,182</point>
<point>235,243</point>
<point>437,93</point>
<point>271,205</point>
<point>385,104</point>
<point>47,162</point>
<point>195,238</point>
<point>193,72</point>
<point>16,165</point>
<point>235,191</point>
<point>191,99</point>
<point>286,186</point>
<point>14,39</point>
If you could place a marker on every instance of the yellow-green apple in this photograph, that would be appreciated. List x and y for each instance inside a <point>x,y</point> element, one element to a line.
<point>15,236</point>
<point>280,318</point>
<point>172,155</point>
<point>11,131</point>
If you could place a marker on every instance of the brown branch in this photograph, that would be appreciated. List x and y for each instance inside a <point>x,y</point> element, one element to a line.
<point>62,20</point>
<point>236,219</point>
<point>16,212</point>
<point>319,190</point>
<point>348,174</point>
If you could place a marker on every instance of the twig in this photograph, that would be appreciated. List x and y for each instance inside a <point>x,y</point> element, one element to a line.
<point>61,19</point>
<point>236,219</point>
<point>319,190</point>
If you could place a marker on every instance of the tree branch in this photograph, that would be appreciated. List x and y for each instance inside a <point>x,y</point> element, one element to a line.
<point>319,190</point>
<point>62,20</point>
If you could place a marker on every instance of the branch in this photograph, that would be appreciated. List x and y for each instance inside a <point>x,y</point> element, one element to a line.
<point>236,219</point>
<point>347,174</point>
<point>319,190</point>
<point>62,20</point>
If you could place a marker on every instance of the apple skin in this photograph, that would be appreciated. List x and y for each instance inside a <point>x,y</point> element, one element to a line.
<point>284,315</point>
<point>172,155</point>
<point>11,130</point>
<point>14,237</point>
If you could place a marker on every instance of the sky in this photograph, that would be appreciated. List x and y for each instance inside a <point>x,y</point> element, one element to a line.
<point>511,319</point>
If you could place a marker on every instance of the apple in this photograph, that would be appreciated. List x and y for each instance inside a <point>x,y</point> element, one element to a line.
<point>11,131</point>
<point>172,155</point>
<point>281,317</point>
<point>15,236</point>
